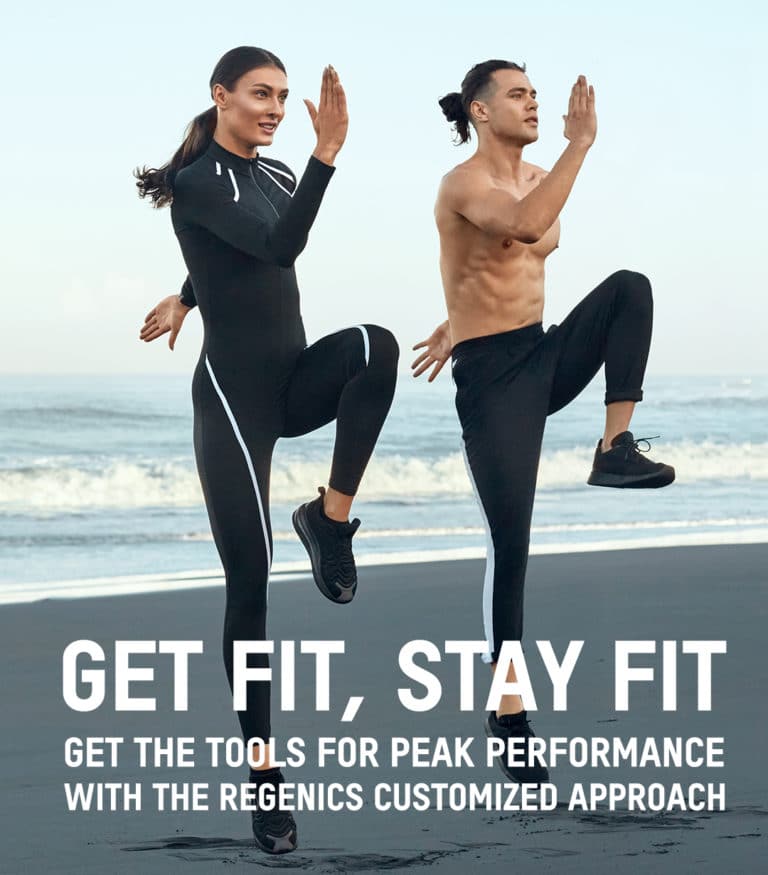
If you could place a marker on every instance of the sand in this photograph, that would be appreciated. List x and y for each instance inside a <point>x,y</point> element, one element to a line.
<point>692,593</point>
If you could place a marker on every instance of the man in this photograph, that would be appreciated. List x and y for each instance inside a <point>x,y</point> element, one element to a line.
<point>497,218</point>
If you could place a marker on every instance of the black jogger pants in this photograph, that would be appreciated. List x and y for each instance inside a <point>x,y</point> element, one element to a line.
<point>506,386</point>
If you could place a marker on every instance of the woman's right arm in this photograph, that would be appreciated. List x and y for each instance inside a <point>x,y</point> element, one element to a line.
<point>210,203</point>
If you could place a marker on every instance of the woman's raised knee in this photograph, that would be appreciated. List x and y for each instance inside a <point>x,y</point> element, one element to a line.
<point>384,348</point>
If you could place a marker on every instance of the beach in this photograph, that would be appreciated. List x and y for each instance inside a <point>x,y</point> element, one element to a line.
<point>98,479</point>
<point>701,593</point>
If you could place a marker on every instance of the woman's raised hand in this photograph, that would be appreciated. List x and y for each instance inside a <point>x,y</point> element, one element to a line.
<point>329,118</point>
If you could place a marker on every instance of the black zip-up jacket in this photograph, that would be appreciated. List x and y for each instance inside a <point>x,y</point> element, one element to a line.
<point>241,224</point>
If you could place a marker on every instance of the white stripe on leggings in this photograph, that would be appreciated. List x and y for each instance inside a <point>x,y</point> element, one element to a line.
<point>490,563</point>
<point>248,462</point>
<point>366,343</point>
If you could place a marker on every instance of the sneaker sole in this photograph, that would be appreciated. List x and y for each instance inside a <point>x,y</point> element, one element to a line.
<point>312,548</point>
<point>627,481</point>
<point>504,768</point>
<point>282,844</point>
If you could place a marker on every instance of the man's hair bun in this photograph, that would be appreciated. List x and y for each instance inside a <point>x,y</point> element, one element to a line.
<point>452,107</point>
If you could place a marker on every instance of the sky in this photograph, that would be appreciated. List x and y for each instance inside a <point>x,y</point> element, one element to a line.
<point>674,186</point>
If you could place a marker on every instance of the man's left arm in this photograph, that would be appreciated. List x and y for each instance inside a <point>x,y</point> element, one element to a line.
<point>438,351</point>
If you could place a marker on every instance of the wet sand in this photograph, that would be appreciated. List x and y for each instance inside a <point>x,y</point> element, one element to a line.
<point>692,593</point>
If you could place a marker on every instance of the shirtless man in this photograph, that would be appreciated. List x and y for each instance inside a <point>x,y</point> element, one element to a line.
<point>497,217</point>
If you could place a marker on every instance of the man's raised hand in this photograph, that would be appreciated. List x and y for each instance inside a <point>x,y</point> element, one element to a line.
<point>581,121</point>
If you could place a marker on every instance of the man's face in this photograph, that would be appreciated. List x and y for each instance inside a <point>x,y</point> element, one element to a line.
<point>509,109</point>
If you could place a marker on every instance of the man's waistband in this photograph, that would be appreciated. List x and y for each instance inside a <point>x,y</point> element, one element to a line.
<point>503,339</point>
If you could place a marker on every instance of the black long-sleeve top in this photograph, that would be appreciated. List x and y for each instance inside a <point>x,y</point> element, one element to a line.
<point>241,224</point>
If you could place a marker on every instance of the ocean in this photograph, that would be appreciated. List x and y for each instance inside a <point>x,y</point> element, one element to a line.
<point>98,481</point>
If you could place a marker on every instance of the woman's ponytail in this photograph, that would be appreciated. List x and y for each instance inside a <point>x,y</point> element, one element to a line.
<point>157,183</point>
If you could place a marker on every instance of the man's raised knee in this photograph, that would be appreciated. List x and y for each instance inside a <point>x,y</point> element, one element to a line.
<point>634,286</point>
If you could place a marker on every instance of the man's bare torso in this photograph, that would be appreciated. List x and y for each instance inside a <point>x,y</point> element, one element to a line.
<point>491,284</point>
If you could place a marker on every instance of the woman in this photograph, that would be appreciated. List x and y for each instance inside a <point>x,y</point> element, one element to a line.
<point>242,220</point>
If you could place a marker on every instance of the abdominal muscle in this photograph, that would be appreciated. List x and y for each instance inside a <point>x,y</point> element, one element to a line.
<point>493,285</point>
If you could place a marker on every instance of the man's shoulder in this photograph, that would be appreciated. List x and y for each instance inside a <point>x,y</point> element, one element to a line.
<point>467,169</point>
<point>467,175</point>
<point>536,171</point>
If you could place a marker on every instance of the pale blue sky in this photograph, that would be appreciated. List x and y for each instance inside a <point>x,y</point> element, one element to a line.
<point>674,186</point>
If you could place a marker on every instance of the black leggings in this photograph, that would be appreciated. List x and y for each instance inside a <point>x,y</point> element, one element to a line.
<point>506,386</point>
<point>240,412</point>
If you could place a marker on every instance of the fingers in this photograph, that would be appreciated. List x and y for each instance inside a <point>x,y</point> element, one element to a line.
<point>336,95</point>
<point>584,92</point>
<point>152,312</point>
<point>425,361</point>
<point>172,338</point>
<point>325,89</point>
<point>419,371</point>
<point>311,109</point>
<point>436,370</point>
<point>420,344</point>
<point>342,98</point>
<point>333,78</point>
<point>148,328</point>
<point>153,334</point>
<point>581,99</point>
<point>339,97</point>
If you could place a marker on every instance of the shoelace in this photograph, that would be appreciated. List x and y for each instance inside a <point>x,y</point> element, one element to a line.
<point>635,449</point>
<point>343,561</point>
<point>523,725</point>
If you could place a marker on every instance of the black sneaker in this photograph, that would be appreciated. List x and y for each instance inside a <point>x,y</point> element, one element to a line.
<point>625,467</point>
<point>515,726</point>
<point>329,544</point>
<point>273,830</point>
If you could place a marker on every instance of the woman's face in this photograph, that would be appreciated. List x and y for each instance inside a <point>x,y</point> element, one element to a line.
<point>256,106</point>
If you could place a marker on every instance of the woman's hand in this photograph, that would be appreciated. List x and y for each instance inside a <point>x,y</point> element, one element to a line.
<point>329,118</point>
<point>168,315</point>
<point>438,350</point>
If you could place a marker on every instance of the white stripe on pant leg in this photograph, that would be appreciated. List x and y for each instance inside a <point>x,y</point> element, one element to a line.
<point>248,462</point>
<point>366,343</point>
<point>490,564</point>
